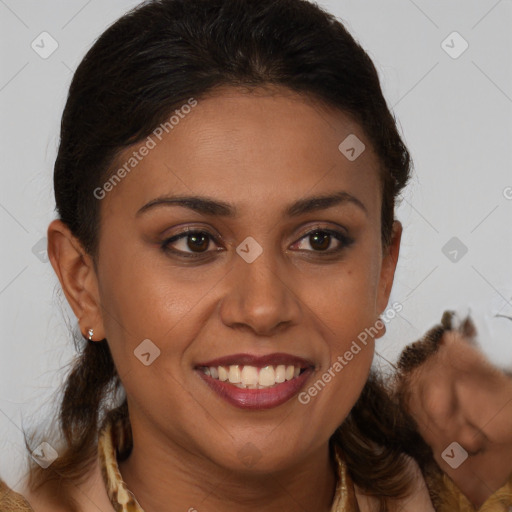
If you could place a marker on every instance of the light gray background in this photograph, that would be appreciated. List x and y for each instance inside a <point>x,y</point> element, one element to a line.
<point>455,114</point>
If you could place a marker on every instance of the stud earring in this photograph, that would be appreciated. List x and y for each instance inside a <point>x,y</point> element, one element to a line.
<point>91,334</point>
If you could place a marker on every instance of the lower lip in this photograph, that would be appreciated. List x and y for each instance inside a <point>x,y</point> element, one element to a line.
<point>266,398</point>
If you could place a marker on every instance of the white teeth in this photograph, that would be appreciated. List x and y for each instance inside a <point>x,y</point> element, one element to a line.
<point>223,373</point>
<point>250,376</point>
<point>234,374</point>
<point>267,376</point>
<point>253,377</point>
<point>280,373</point>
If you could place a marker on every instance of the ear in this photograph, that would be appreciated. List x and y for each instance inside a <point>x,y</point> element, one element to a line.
<point>77,276</point>
<point>389,262</point>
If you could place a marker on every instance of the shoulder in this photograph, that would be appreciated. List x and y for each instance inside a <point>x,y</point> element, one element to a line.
<point>11,501</point>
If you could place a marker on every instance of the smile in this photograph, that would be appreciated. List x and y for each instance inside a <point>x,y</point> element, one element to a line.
<point>256,381</point>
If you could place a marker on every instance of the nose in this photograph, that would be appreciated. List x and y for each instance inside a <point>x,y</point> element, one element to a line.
<point>260,296</point>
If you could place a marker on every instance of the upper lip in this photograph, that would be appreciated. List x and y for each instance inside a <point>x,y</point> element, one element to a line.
<point>259,361</point>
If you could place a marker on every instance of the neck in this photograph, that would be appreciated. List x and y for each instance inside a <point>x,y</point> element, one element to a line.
<point>173,477</point>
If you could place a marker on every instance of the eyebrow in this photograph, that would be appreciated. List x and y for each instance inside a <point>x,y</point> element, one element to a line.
<point>208,206</point>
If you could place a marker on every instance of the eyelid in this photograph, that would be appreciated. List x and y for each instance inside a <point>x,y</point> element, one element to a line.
<point>322,227</point>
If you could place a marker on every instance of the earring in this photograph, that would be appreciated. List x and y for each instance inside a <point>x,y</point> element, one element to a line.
<point>381,326</point>
<point>91,334</point>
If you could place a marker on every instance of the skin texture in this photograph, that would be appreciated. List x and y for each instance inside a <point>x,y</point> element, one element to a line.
<point>260,151</point>
<point>458,395</point>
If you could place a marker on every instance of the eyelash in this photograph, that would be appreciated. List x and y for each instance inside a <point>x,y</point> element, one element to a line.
<point>338,235</point>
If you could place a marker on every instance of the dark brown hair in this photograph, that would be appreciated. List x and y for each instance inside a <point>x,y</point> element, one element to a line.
<point>150,62</point>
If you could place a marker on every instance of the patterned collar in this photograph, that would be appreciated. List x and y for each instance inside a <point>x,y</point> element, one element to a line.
<point>114,444</point>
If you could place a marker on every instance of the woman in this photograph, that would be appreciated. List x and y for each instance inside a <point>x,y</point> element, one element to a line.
<point>225,183</point>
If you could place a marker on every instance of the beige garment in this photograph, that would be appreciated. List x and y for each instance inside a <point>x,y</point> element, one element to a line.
<point>11,501</point>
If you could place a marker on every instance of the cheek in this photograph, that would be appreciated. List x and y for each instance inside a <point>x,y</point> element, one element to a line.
<point>347,300</point>
<point>144,293</point>
<point>149,314</point>
<point>140,303</point>
<point>345,317</point>
<point>347,310</point>
<point>334,390</point>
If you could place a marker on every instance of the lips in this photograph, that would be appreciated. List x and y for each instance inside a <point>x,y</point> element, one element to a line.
<point>256,382</point>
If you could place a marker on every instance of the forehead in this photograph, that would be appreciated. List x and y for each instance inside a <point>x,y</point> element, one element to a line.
<point>265,147</point>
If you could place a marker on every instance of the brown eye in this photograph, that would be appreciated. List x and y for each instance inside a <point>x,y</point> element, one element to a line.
<point>198,242</point>
<point>320,240</point>
<point>189,243</point>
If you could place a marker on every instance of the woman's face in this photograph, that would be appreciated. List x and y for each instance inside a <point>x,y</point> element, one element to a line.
<point>254,282</point>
